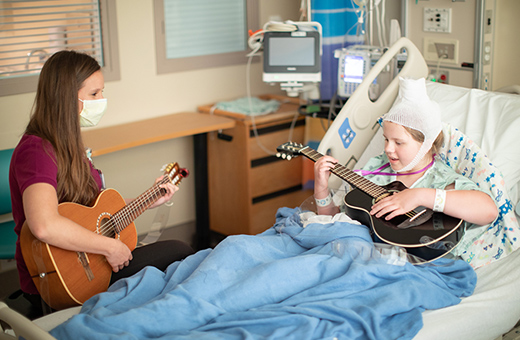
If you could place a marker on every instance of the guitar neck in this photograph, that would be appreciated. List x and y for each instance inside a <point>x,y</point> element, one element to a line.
<point>134,209</point>
<point>347,175</point>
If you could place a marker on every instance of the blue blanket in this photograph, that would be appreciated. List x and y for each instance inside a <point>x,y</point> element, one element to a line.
<point>324,281</point>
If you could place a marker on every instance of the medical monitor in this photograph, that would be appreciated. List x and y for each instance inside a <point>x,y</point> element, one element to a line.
<point>292,56</point>
<point>354,64</point>
<point>355,69</point>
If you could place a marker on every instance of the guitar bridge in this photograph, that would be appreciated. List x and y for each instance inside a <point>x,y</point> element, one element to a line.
<point>83,259</point>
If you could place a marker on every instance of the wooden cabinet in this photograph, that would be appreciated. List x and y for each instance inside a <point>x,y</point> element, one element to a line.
<point>247,185</point>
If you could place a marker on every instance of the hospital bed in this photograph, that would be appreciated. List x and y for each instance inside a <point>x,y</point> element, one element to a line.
<point>491,120</point>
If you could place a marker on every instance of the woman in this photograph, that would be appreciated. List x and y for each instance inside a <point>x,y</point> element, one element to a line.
<point>50,166</point>
<point>413,134</point>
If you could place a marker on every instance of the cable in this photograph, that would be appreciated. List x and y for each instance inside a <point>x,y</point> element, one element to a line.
<point>439,64</point>
<point>248,94</point>
<point>383,10</point>
<point>255,42</point>
<point>279,26</point>
<point>378,22</point>
<point>256,39</point>
<point>305,10</point>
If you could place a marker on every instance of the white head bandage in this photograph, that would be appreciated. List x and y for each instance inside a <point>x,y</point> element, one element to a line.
<point>414,109</point>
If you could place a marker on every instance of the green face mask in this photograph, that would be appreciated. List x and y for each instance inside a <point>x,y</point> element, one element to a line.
<point>93,111</point>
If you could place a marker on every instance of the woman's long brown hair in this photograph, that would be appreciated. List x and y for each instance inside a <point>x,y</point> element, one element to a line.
<point>55,119</point>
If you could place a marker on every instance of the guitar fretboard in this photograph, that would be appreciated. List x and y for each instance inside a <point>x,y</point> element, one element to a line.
<point>124,217</point>
<point>134,209</point>
<point>348,175</point>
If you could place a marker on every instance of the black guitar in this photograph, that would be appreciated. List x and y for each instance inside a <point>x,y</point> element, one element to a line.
<point>426,234</point>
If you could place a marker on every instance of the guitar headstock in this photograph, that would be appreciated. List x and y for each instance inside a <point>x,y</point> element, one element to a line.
<point>175,173</point>
<point>289,150</point>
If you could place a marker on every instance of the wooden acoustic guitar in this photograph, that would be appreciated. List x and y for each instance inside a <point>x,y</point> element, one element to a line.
<point>66,278</point>
<point>426,234</point>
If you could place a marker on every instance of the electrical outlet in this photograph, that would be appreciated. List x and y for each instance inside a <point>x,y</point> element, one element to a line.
<point>437,20</point>
<point>435,48</point>
<point>486,55</point>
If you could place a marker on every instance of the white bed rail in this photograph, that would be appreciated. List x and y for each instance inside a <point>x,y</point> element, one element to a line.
<point>354,126</point>
<point>22,328</point>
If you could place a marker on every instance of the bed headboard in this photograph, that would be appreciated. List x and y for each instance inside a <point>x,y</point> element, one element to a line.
<point>355,124</point>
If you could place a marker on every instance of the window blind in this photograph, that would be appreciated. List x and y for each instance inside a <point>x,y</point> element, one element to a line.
<point>31,31</point>
<point>204,27</point>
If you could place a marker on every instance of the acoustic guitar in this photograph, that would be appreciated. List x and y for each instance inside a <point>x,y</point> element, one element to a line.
<point>66,278</point>
<point>421,232</point>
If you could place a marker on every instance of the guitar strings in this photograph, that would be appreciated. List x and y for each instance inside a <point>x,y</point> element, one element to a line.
<point>357,180</point>
<point>120,220</point>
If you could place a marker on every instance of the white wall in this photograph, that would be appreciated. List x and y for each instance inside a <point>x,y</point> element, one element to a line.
<point>141,94</point>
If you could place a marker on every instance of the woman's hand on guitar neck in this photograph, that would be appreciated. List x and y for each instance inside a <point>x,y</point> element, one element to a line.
<point>170,188</point>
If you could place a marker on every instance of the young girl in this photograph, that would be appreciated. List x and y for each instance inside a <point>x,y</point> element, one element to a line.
<point>413,134</point>
<point>50,166</point>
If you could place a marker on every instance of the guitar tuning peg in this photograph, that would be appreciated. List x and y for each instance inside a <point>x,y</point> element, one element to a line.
<point>166,167</point>
<point>289,158</point>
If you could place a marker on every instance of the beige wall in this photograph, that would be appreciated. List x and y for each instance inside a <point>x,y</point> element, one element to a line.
<point>503,70</point>
<point>463,30</point>
<point>141,94</point>
<point>506,70</point>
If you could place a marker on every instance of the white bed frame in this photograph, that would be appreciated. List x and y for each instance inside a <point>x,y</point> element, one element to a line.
<point>490,312</point>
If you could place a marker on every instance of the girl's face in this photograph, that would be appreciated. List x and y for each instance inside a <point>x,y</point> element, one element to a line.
<point>400,146</point>
<point>92,88</point>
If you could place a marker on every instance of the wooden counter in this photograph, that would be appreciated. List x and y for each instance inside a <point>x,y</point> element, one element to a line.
<point>123,136</point>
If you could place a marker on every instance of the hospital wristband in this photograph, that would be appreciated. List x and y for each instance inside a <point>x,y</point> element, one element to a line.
<point>440,200</point>
<point>324,201</point>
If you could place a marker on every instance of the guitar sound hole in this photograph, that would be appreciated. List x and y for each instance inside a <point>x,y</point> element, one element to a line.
<point>104,227</point>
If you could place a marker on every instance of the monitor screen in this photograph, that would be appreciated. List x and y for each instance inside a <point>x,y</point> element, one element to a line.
<point>292,56</point>
<point>354,69</point>
<point>289,51</point>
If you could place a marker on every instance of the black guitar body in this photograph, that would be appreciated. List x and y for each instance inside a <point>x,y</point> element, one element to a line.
<point>432,237</point>
<point>426,234</point>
